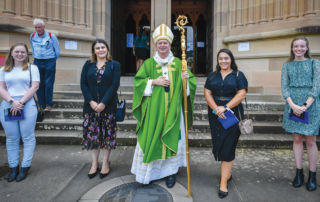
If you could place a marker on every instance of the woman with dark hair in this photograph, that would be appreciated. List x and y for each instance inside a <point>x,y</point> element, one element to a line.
<point>300,82</point>
<point>19,81</point>
<point>100,79</point>
<point>224,90</point>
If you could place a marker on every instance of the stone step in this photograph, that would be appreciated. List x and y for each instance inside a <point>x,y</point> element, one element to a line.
<point>127,86</point>
<point>199,96</point>
<point>66,137</point>
<point>130,126</point>
<point>198,105</point>
<point>199,115</point>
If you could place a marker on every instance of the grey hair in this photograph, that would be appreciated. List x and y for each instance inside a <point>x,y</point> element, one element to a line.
<point>38,21</point>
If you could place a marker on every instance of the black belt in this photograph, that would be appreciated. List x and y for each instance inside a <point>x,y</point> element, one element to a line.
<point>43,59</point>
<point>221,98</point>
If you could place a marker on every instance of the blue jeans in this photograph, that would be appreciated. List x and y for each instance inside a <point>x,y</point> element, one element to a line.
<point>16,129</point>
<point>47,70</point>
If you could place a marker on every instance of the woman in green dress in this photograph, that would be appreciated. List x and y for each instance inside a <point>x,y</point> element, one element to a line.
<point>300,82</point>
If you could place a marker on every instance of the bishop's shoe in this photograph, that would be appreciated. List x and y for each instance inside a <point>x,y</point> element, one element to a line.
<point>171,180</point>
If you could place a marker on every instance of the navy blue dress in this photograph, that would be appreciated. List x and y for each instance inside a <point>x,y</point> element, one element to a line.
<point>224,142</point>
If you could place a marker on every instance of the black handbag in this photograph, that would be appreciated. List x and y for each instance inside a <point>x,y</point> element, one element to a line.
<point>40,116</point>
<point>121,109</point>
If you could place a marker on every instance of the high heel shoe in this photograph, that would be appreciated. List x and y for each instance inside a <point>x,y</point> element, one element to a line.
<point>92,175</point>
<point>103,175</point>
<point>312,181</point>
<point>13,173</point>
<point>298,180</point>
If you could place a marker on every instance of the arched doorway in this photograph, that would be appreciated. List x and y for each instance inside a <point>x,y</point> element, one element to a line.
<point>199,42</point>
<point>135,15</point>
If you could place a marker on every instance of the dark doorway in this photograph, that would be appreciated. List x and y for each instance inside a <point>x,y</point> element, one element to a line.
<point>128,17</point>
<point>198,33</point>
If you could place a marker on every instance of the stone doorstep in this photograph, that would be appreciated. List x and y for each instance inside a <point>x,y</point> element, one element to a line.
<point>198,97</point>
<point>198,115</point>
<point>266,141</point>
<point>198,105</point>
<point>130,126</point>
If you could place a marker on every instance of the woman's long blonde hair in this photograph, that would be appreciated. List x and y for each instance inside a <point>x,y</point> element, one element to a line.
<point>306,55</point>
<point>93,57</point>
<point>9,63</point>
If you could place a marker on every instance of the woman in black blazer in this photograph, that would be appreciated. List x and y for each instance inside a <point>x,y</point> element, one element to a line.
<point>100,79</point>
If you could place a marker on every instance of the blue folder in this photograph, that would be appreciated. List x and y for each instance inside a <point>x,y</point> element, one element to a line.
<point>229,121</point>
<point>8,116</point>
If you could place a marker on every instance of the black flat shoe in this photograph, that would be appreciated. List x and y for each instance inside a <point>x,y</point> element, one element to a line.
<point>222,194</point>
<point>22,174</point>
<point>13,173</point>
<point>171,180</point>
<point>92,175</point>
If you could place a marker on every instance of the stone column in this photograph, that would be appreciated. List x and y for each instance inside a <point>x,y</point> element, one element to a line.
<point>293,9</point>
<point>108,21</point>
<point>82,12</point>
<point>277,10</point>
<point>43,9</point>
<point>56,11</point>
<point>69,12</point>
<point>160,14</point>
<point>263,11</point>
<point>251,12</point>
<point>238,13</point>
<point>309,8</point>
<point>26,8</point>
<point>9,7</point>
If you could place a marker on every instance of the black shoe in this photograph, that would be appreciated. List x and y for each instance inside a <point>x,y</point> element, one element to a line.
<point>171,180</point>
<point>312,181</point>
<point>13,173</point>
<point>299,179</point>
<point>222,194</point>
<point>92,175</point>
<point>103,175</point>
<point>22,174</point>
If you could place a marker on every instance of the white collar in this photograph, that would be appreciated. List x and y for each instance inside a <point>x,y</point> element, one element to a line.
<point>165,61</point>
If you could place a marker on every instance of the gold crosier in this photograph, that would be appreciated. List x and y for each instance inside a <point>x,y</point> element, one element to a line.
<point>180,22</point>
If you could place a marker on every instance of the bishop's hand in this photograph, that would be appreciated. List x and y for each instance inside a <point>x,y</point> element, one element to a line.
<point>161,81</point>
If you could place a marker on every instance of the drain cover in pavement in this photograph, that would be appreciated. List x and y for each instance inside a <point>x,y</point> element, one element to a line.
<point>136,192</point>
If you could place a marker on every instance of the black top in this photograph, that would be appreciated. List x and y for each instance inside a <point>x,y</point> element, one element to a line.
<point>105,91</point>
<point>227,87</point>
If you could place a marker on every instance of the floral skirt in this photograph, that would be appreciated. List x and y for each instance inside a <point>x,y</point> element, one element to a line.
<point>99,131</point>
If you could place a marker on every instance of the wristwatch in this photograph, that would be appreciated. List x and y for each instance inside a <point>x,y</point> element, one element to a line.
<point>11,101</point>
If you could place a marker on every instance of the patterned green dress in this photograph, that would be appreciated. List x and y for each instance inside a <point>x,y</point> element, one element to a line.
<point>300,80</point>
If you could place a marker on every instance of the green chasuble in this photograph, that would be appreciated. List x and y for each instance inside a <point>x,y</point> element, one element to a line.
<point>158,116</point>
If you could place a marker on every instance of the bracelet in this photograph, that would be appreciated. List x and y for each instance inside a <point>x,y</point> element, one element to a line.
<point>213,112</point>
<point>11,101</point>
<point>227,108</point>
<point>305,104</point>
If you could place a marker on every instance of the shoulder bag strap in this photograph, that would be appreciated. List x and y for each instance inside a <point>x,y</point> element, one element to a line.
<point>245,100</point>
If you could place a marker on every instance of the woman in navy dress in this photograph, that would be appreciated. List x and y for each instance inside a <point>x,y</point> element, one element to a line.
<point>225,89</point>
<point>100,80</point>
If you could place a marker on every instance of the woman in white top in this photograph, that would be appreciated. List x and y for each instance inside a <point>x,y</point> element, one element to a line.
<point>19,81</point>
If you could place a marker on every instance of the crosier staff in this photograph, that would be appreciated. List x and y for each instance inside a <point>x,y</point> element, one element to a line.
<point>180,22</point>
